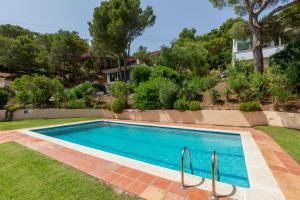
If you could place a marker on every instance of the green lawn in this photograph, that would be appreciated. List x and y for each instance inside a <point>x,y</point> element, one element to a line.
<point>288,139</point>
<point>39,122</point>
<point>26,174</point>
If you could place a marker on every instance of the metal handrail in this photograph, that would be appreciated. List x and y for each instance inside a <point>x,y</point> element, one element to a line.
<point>185,150</point>
<point>215,167</point>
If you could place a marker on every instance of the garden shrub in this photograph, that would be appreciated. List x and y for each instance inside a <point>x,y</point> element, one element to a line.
<point>102,105</point>
<point>239,83</point>
<point>83,90</point>
<point>167,93</point>
<point>118,105</point>
<point>244,67</point>
<point>281,95</point>
<point>181,104</point>
<point>75,104</point>
<point>259,85</point>
<point>119,89</point>
<point>215,95</point>
<point>165,72</point>
<point>288,62</point>
<point>147,95</point>
<point>36,90</point>
<point>141,73</point>
<point>194,105</point>
<point>250,106</point>
<point>3,97</point>
<point>193,87</point>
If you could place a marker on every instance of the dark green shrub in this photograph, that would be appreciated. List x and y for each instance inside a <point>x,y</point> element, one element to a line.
<point>281,95</point>
<point>250,106</point>
<point>36,90</point>
<point>259,85</point>
<point>102,105</point>
<point>181,104</point>
<point>119,89</point>
<point>141,73</point>
<point>193,87</point>
<point>167,93</point>
<point>75,104</point>
<point>239,83</point>
<point>147,95</point>
<point>165,72</point>
<point>244,67</point>
<point>118,105</point>
<point>194,105</point>
<point>83,90</point>
<point>215,95</point>
<point>288,62</point>
<point>3,97</point>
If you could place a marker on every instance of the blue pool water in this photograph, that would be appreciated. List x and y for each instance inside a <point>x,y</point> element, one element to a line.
<point>162,146</point>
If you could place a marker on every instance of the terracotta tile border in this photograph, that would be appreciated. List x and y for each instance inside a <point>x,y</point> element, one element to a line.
<point>284,168</point>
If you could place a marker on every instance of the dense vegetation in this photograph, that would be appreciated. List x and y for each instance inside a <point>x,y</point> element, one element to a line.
<point>58,70</point>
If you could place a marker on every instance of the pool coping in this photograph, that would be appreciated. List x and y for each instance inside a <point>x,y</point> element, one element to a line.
<point>261,179</point>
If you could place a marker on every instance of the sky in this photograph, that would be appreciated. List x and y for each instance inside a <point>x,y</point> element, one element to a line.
<point>172,16</point>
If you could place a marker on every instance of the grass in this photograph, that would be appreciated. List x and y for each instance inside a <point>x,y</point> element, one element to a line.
<point>39,122</point>
<point>26,174</point>
<point>288,139</point>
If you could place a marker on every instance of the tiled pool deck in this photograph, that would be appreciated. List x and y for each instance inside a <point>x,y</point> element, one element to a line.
<point>284,168</point>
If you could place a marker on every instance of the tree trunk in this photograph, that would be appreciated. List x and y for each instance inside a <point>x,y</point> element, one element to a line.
<point>257,47</point>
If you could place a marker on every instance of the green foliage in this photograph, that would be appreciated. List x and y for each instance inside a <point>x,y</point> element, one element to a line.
<point>119,89</point>
<point>167,93</point>
<point>143,55</point>
<point>288,62</point>
<point>116,23</point>
<point>12,31</point>
<point>36,90</point>
<point>3,97</point>
<point>194,105</point>
<point>192,88</point>
<point>215,95</point>
<point>75,104</point>
<point>189,56</point>
<point>118,105</point>
<point>83,90</point>
<point>165,72</point>
<point>250,106</point>
<point>181,104</point>
<point>281,95</point>
<point>260,85</point>
<point>147,95</point>
<point>227,92</point>
<point>239,83</point>
<point>245,67</point>
<point>66,51</point>
<point>141,73</point>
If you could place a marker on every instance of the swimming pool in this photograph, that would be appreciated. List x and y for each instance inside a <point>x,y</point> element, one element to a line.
<point>161,146</point>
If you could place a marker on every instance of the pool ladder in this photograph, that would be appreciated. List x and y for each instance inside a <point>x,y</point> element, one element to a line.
<point>185,150</point>
<point>214,169</point>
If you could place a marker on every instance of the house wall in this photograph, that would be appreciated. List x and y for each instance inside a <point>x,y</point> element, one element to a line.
<point>202,117</point>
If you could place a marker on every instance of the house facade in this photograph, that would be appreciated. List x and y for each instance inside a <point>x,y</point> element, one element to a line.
<point>242,50</point>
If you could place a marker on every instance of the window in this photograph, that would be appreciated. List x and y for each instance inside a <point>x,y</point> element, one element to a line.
<point>243,45</point>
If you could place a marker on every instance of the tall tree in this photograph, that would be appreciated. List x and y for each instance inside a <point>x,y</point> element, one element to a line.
<point>66,52</point>
<point>117,23</point>
<point>254,9</point>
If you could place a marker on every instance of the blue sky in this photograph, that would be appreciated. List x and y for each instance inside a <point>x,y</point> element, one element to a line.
<point>172,17</point>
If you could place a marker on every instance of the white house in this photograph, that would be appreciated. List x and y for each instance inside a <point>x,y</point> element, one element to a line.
<point>241,49</point>
<point>113,75</point>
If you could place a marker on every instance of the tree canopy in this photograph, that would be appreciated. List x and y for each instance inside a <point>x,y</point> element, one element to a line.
<point>116,23</point>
